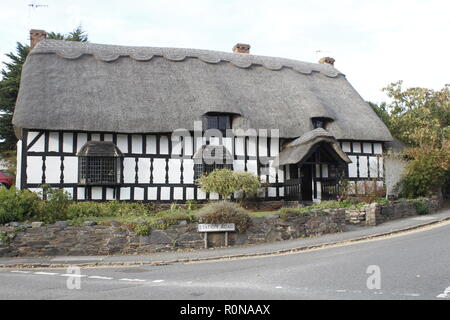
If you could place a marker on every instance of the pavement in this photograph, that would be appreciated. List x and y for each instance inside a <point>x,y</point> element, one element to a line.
<point>354,234</point>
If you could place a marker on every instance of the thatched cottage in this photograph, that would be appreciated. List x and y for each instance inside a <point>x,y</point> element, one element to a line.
<point>98,121</point>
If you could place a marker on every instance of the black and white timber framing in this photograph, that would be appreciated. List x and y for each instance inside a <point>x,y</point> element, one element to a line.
<point>150,172</point>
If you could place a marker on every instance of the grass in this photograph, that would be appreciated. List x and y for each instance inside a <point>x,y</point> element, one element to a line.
<point>166,218</point>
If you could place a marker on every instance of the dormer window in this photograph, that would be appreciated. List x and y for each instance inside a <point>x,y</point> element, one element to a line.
<point>218,121</point>
<point>320,122</point>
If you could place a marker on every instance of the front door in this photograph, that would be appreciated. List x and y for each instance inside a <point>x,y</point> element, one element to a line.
<point>306,182</point>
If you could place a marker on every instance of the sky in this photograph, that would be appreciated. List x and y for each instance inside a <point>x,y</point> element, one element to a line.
<point>374,43</point>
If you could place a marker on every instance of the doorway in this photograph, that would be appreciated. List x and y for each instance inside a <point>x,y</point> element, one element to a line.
<point>306,178</point>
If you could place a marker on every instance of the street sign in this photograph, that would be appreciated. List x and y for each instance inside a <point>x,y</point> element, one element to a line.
<point>224,227</point>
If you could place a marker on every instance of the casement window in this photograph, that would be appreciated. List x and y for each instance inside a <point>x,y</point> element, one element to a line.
<point>209,158</point>
<point>218,121</point>
<point>99,163</point>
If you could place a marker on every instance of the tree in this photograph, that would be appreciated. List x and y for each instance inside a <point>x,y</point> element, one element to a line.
<point>9,85</point>
<point>78,34</point>
<point>9,88</point>
<point>420,118</point>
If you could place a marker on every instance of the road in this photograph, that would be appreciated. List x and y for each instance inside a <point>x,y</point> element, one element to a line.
<point>415,265</point>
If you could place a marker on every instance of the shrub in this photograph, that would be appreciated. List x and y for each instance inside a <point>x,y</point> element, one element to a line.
<point>16,205</point>
<point>87,209</point>
<point>247,183</point>
<point>164,219</point>
<point>425,174</point>
<point>142,229</point>
<point>124,209</point>
<point>226,182</point>
<point>191,205</point>
<point>225,212</point>
<point>221,181</point>
<point>55,207</point>
<point>421,207</point>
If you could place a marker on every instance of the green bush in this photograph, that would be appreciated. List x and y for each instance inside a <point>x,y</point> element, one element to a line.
<point>124,209</point>
<point>425,174</point>
<point>16,205</point>
<point>142,229</point>
<point>55,207</point>
<point>247,183</point>
<point>87,209</point>
<point>221,181</point>
<point>226,182</point>
<point>164,219</point>
<point>421,207</point>
<point>225,212</point>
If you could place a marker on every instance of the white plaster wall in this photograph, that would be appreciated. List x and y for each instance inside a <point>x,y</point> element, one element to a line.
<point>129,172</point>
<point>34,169</point>
<point>70,169</point>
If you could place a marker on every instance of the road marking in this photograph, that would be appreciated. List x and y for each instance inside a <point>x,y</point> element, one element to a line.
<point>410,294</point>
<point>445,294</point>
<point>46,273</point>
<point>341,290</point>
<point>73,275</point>
<point>132,280</point>
<point>279,287</point>
<point>100,278</point>
<point>157,281</point>
<point>19,271</point>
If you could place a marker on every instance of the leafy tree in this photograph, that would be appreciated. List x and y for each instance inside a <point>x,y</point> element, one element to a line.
<point>420,118</point>
<point>9,85</point>
<point>9,88</point>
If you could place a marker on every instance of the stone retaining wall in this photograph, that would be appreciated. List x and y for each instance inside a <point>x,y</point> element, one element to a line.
<point>62,239</point>
<point>91,239</point>
<point>376,213</point>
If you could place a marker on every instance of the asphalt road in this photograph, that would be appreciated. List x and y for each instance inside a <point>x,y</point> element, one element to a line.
<point>415,265</point>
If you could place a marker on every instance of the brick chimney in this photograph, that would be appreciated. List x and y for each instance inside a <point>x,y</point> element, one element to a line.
<point>36,36</point>
<point>327,60</point>
<point>241,48</point>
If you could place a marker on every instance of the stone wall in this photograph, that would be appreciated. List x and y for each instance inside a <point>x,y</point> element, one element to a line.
<point>91,239</point>
<point>376,213</point>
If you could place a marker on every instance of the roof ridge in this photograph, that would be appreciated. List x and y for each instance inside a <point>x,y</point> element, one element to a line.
<point>108,53</point>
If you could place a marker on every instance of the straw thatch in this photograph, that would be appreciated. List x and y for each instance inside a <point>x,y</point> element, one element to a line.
<point>83,86</point>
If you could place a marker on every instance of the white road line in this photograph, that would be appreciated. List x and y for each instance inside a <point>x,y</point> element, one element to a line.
<point>278,287</point>
<point>341,290</point>
<point>157,281</point>
<point>132,280</point>
<point>445,294</point>
<point>100,278</point>
<point>19,271</point>
<point>46,273</point>
<point>73,275</point>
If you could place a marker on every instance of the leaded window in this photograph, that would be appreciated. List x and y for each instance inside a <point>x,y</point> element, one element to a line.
<point>209,158</point>
<point>99,163</point>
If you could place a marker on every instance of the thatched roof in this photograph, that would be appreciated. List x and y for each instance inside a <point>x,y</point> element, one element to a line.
<point>83,86</point>
<point>297,150</point>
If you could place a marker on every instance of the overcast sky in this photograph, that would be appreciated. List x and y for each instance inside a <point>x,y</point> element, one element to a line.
<point>374,42</point>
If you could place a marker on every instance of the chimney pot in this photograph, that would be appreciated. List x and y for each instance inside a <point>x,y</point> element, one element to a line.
<point>36,36</point>
<point>327,60</point>
<point>241,48</point>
